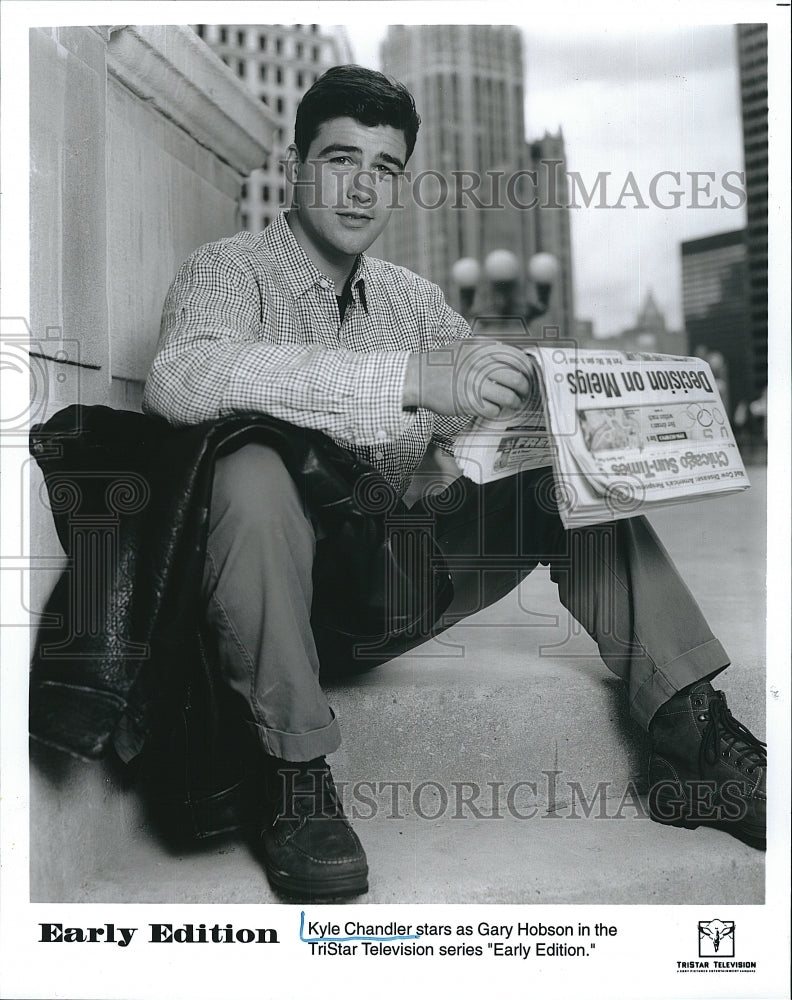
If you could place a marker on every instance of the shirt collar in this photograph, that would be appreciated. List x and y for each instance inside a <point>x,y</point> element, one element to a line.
<point>300,272</point>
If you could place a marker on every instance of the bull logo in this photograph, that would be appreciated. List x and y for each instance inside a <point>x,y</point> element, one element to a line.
<point>716,938</point>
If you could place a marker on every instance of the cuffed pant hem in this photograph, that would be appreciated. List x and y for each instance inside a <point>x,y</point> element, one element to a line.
<point>299,746</point>
<point>665,681</point>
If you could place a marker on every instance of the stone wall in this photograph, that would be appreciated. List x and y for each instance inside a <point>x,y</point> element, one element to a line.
<point>140,138</point>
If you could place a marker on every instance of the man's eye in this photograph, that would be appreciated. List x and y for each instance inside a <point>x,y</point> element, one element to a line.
<point>341,160</point>
<point>386,170</point>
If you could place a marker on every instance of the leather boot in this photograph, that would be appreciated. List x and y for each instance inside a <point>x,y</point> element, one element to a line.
<point>308,848</point>
<point>706,767</point>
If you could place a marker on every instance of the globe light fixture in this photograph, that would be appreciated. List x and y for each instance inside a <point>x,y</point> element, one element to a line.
<point>542,272</point>
<point>543,268</point>
<point>466,272</point>
<point>501,266</point>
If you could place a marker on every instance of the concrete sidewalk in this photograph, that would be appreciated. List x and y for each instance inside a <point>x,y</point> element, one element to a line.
<point>541,860</point>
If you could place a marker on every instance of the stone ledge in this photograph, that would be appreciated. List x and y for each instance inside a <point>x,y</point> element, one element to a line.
<point>170,67</point>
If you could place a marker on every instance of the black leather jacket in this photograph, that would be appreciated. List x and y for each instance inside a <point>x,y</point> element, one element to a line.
<point>121,658</point>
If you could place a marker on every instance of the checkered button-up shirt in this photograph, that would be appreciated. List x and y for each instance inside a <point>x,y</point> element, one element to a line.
<point>251,325</point>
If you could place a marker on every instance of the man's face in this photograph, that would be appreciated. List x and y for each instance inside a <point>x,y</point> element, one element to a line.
<point>345,191</point>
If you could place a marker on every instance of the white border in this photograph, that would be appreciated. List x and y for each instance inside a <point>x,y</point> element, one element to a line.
<point>630,968</point>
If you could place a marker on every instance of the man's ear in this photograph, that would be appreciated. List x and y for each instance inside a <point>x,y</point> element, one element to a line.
<point>292,164</point>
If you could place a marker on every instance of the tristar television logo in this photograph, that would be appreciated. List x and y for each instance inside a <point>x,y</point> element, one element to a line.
<point>715,951</point>
<point>716,938</point>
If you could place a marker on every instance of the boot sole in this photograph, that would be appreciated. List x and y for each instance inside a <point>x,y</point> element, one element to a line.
<point>340,887</point>
<point>751,839</point>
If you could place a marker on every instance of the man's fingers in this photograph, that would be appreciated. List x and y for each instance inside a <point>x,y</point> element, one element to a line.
<point>473,377</point>
<point>489,410</point>
<point>503,397</point>
<point>512,379</point>
<point>511,356</point>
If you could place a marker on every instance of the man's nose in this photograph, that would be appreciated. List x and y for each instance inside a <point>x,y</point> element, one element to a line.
<point>360,187</point>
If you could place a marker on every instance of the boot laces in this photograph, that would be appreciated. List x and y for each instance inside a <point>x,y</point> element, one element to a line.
<point>739,741</point>
<point>314,792</point>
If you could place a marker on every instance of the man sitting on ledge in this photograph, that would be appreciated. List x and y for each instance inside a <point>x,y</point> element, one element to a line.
<point>298,323</point>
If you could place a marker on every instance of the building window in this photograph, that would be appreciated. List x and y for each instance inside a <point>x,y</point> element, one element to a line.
<point>299,50</point>
<point>279,105</point>
<point>264,98</point>
<point>243,192</point>
<point>241,39</point>
<point>263,71</point>
<point>201,30</point>
<point>224,35</point>
<point>265,193</point>
<point>281,195</point>
<point>315,29</point>
<point>244,219</point>
<point>315,53</point>
<point>278,75</point>
<point>263,43</point>
<point>279,45</point>
<point>300,79</point>
<point>241,67</point>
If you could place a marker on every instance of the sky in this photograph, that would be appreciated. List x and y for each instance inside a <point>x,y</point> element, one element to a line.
<point>631,101</point>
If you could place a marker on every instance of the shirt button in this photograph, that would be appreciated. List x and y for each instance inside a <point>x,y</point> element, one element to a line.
<point>379,455</point>
<point>381,436</point>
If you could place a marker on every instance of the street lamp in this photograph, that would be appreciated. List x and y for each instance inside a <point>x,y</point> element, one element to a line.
<point>465,274</point>
<point>542,272</point>
<point>502,268</point>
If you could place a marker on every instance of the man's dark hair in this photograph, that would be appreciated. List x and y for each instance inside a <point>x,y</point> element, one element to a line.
<point>354,92</point>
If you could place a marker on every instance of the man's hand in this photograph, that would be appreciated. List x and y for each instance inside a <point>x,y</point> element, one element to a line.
<point>475,377</point>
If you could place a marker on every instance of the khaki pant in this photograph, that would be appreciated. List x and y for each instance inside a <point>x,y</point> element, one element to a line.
<point>616,579</point>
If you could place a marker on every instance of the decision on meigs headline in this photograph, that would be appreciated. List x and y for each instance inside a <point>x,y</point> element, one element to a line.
<point>527,939</point>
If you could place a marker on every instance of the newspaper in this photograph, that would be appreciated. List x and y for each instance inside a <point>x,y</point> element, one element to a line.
<point>623,432</point>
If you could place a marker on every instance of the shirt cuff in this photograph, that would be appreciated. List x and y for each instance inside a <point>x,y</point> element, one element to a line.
<point>379,415</point>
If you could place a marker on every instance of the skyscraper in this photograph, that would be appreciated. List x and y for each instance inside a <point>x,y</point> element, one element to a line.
<point>716,305</point>
<point>278,62</point>
<point>467,81</point>
<point>475,183</point>
<point>551,223</point>
<point>752,56</point>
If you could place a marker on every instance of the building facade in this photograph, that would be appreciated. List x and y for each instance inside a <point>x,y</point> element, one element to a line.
<point>278,63</point>
<point>752,59</point>
<point>552,228</point>
<point>717,308</point>
<point>475,184</point>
